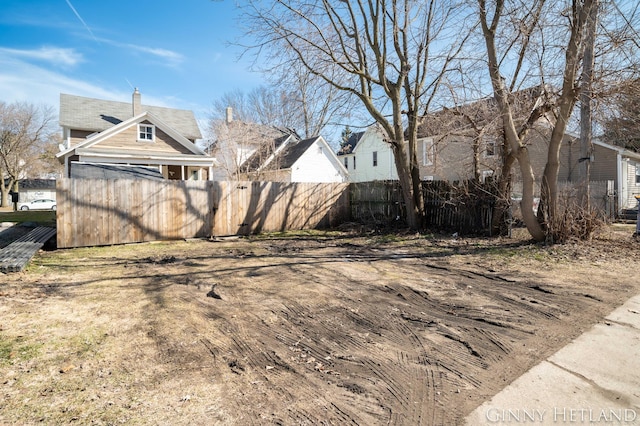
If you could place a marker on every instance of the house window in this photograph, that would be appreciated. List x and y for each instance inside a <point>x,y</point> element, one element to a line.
<point>489,147</point>
<point>354,163</point>
<point>375,158</point>
<point>428,152</point>
<point>638,173</point>
<point>146,132</point>
<point>346,163</point>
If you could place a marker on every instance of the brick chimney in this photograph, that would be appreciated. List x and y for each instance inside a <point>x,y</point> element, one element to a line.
<point>137,102</point>
<point>229,115</point>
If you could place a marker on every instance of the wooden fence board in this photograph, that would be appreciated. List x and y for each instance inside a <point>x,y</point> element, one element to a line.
<point>95,212</point>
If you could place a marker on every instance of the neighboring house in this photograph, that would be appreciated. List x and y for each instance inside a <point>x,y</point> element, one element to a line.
<point>459,143</point>
<point>291,160</point>
<point>100,132</point>
<point>465,142</point>
<point>238,141</point>
<point>251,151</point>
<point>36,189</point>
<point>367,157</point>
<point>608,163</point>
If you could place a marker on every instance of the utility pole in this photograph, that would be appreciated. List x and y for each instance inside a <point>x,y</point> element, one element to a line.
<point>586,97</point>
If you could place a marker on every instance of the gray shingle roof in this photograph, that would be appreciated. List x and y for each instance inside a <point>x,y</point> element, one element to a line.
<point>264,152</point>
<point>293,152</point>
<point>286,158</point>
<point>348,147</point>
<point>113,171</point>
<point>96,115</point>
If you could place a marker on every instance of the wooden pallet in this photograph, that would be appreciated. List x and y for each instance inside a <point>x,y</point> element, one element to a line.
<point>15,256</point>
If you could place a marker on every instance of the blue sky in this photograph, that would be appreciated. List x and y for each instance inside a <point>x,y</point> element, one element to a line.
<point>175,51</point>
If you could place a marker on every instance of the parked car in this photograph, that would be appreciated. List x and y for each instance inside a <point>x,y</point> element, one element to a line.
<point>44,204</point>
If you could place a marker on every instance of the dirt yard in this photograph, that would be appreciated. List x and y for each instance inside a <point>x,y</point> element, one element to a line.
<point>306,328</point>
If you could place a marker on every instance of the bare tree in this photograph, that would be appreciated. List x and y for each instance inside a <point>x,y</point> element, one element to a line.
<point>389,55</point>
<point>243,148</point>
<point>542,42</point>
<point>621,126</point>
<point>316,103</point>
<point>24,131</point>
<point>266,105</point>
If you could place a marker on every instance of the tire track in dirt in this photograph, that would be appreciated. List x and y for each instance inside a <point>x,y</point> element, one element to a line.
<point>355,350</point>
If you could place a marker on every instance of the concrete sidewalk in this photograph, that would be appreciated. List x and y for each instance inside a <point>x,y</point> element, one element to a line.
<point>593,380</point>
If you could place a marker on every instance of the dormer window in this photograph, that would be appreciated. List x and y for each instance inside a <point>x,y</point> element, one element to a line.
<point>146,132</point>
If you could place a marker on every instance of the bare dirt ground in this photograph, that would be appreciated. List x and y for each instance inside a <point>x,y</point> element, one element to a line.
<point>307,328</point>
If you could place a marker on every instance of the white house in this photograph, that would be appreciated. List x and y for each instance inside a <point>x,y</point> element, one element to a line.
<point>309,160</point>
<point>367,157</point>
<point>608,163</point>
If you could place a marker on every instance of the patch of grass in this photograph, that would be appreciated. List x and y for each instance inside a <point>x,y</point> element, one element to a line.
<point>12,350</point>
<point>508,252</point>
<point>88,342</point>
<point>41,217</point>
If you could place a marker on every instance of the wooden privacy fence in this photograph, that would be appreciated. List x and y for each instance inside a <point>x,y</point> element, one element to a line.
<point>464,207</point>
<point>104,212</point>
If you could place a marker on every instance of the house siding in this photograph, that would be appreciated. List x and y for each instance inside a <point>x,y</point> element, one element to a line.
<point>452,159</point>
<point>128,139</point>
<point>604,166</point>
<point>633,188</point>
<point>78,136</point>
<point>315,165</point>
<point>365,171</point>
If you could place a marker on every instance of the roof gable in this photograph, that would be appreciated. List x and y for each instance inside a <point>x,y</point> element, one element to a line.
<point>351,143</point>
<point>96,115</point>
<point>292,153</point>
<point>266,153</point>
<point>114,130</point>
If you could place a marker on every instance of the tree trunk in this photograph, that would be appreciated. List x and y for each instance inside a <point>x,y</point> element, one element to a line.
<point>503,202</point>
<point>526,205</point>
<point>508,126</point>
<point>412,198</point>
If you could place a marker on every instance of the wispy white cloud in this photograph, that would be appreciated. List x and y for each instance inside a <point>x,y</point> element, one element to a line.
<point>24,81</point>
<point>172,58</point>
<point>54,55</point>
<point>73,9</point>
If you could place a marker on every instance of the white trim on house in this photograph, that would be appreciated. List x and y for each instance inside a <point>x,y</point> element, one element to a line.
<point>428,151</point>
<point>88,155</point>
<point>276,152</point>
<point>120,127</point>
<point>621,181</point>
